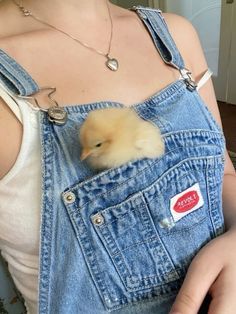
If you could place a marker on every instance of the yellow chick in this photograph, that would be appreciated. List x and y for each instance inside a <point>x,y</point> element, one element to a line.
<point>113,136</point>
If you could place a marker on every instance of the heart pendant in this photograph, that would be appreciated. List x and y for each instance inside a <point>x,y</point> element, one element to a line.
<point>112,64</point>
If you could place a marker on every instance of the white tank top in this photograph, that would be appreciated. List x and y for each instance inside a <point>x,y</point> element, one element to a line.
<point>20,207</point>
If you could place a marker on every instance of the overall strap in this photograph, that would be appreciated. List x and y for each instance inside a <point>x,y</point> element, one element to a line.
<point>15,79</point>
<point>156,25</point>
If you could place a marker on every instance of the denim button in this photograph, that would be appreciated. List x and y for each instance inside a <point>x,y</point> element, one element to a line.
<point>97,219</point>
<point>69,197</point>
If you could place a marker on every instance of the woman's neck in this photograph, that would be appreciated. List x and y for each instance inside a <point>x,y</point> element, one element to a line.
<point>61,12</point>
<point>84,19</point>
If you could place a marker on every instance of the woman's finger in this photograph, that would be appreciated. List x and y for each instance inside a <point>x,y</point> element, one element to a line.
<point>223,293</point>
<point>200,276</point>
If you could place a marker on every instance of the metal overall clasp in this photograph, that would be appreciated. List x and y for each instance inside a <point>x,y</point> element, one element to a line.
<point>188,80</point>
<point>56,114</point>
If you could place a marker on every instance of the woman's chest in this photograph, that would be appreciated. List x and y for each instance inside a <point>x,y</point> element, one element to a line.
<point>81,75</point>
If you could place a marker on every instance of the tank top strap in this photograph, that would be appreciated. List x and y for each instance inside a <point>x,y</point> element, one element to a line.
<point>10,102</point>
<point>15,78</point>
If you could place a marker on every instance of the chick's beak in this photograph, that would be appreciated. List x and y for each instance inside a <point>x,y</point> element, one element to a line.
<point>85,153</point>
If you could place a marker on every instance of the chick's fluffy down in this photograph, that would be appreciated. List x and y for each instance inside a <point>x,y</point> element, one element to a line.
<point>113,136</point>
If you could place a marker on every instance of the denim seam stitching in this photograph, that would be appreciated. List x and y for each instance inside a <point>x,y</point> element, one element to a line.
<point>141,171</point>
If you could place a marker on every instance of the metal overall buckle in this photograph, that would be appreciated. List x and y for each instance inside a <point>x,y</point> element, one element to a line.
<point>56,114</point>
<point>188,80</point>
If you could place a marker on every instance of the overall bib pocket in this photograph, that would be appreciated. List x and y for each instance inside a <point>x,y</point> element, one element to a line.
<point>130,238</point>
<point>139,225</point>
<point>186,208</point>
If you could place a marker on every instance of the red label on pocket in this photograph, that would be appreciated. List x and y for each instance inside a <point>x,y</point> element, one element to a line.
<point>186,202</point>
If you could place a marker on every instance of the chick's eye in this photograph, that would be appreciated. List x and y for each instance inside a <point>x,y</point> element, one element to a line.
<point>98,145</point>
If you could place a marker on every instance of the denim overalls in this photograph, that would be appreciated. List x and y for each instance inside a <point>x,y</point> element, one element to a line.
<point>122,239</point>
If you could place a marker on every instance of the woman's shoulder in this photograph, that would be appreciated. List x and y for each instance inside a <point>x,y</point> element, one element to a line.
<point>181,29</point>
<point>187,41</point>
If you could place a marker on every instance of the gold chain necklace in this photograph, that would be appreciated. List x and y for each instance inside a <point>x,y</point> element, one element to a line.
<point>111,63</point>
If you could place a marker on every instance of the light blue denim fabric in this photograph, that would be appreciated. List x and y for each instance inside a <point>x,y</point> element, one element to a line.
<point>15,77</point>
<point>132,260</point>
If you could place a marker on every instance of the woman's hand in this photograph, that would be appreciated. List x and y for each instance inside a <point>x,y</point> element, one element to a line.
<point>212,271</point>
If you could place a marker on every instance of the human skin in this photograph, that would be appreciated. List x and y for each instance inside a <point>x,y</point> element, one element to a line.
<point>142,72</point>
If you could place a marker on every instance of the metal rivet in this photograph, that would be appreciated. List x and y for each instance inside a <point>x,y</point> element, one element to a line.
<point>98,219</point>
<point>142,15</point>
<point>167,223</point>
<point>135,7</point>
<point>69,197</point>
<point>57,115</point>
